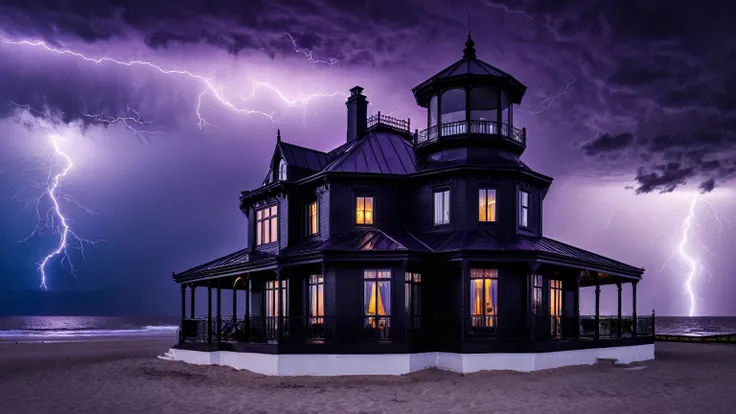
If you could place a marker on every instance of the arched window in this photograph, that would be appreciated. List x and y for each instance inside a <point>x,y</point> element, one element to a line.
<point>483,104</point>
<point>282,170</point>
<point>453,106</point>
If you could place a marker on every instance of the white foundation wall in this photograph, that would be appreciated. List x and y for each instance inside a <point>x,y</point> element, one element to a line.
<point>398,364</point>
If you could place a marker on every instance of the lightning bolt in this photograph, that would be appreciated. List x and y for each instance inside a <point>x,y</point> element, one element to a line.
<point>54,217</point>
<point>208,84</point>
<point>547,103</point>
<point>308,54</point>
<point>688,235</point>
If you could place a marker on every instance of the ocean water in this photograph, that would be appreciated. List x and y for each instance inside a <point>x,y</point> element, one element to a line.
<point>75,328</point>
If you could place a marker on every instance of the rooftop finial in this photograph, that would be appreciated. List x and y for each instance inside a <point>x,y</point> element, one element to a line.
<point>469,51</point>
<point>278,134</point>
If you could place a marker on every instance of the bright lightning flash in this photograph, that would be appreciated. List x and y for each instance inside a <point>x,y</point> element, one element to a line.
<point>687,235</point>
<point>208,83</point>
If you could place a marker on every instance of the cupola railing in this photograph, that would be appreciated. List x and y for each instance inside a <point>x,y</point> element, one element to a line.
<point>472,127</point>
<point>389,121</point>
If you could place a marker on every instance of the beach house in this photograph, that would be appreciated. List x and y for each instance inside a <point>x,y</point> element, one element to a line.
<point>403,249</point>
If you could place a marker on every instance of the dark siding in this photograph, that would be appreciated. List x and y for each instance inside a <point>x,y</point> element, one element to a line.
<point>512,303</point>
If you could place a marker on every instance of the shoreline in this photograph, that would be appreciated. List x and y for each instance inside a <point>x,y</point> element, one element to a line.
<point>125,376</point>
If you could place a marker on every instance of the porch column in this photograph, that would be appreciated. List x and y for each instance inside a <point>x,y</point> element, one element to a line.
<point>235,303</point>
<point>209,311</point>
<point>246,323</point>
<point>620,321</point>
<point>633,313</point>
<point>577,305</point>
<point>597,307</point>
<point>280,302</point>
<point>219,311</point>
<point>183,301</point>
<point>191,300</point>
<point>464,309</point>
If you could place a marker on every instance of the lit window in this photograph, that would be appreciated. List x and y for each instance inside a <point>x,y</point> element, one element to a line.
<point>413,300</point>
<point>523,209</point>
<point>364,210</point>
<point>282,170</point>
<point>486,205</point>
<point>312,219</point>
<point>377,301</point>
<point>537,286</point>
<point>316,298</point>
<point>267,221</point>
<point>483,297</point>
<point>442,207</point>
<point>555,306</point>
<point>273,304</point>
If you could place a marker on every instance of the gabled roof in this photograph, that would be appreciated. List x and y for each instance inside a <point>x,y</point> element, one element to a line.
<point>302,157</point>
<point>378,152</point>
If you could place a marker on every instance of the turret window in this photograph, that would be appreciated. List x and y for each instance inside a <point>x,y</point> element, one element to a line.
<point>487,205</point>
<point>523,209</point>
<point>453,109</point>
<point>441,207</point>
<point>312,219</point>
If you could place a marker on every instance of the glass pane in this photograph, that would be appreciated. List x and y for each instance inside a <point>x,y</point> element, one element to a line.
<point>482,205</point>
<point>384,274</point>
<point>524,217</point>
<point>453,106</point>
<point>259,234</point>
<point>369,210</point>
<point>437,208</point>
<point>259,214</point>
<point>483,104</point>
<point>274,229</point>
<point>433,113</point>
<point>369,297</point>
<point>266,231</point>
<point>491,205</point>
<point>383,306</point>
<point>321,301</point>
<point>524,199</point>
<point>446,207</point>
<point>476,297</point>
<point>417,297</point>
<point>407,299</point>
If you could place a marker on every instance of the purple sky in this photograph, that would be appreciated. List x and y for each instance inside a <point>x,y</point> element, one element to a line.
<point>632,108</point>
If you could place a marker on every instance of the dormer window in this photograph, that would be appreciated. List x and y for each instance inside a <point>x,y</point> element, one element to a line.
<point>267,230</point>
<point>282,170</point>
<point>523,209</point>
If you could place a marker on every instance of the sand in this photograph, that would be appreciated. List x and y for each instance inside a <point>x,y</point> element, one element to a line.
<point>125,377</point>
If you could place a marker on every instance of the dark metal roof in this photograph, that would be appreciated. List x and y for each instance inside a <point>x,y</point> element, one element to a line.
<point>302,157</point>
<point>456,240</point>
<point>378,152</point>
<point>232,261</point>
<point>359,240</point>
<point>469,66</point>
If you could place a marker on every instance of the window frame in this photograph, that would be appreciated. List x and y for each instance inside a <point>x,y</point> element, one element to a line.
<point>485,321</point>
<point>318,282</point>
<point>524,210</point>
<point>485,191</point>
<point>380,324</point>
<point>373,209</point>
<point>413,300</point>
<point>445,202</point>
<point>556,306</point>
<point>260,234</point>
<point>308,213</point>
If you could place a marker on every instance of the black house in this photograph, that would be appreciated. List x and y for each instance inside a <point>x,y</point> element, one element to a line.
<point>401,242</point>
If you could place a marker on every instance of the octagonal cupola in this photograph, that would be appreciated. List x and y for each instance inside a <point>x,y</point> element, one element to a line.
<point>470,104</point>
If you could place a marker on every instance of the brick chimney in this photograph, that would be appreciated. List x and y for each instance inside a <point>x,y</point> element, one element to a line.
<point>357,114</point>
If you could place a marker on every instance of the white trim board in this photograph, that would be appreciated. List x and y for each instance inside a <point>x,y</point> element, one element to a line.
<point>398,364</point>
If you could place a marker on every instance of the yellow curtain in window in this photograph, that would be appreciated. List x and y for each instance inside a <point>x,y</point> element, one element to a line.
<point>375,306</point>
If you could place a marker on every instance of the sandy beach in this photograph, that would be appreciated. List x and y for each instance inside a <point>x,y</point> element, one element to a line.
<point>125,377</point>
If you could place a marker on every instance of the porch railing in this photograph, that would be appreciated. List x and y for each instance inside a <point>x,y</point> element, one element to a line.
<point>269,329</point>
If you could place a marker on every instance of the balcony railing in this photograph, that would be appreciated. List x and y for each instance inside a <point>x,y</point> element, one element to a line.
<point>451,129</point>
<point>608,326</point>
<point>389,121</point>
